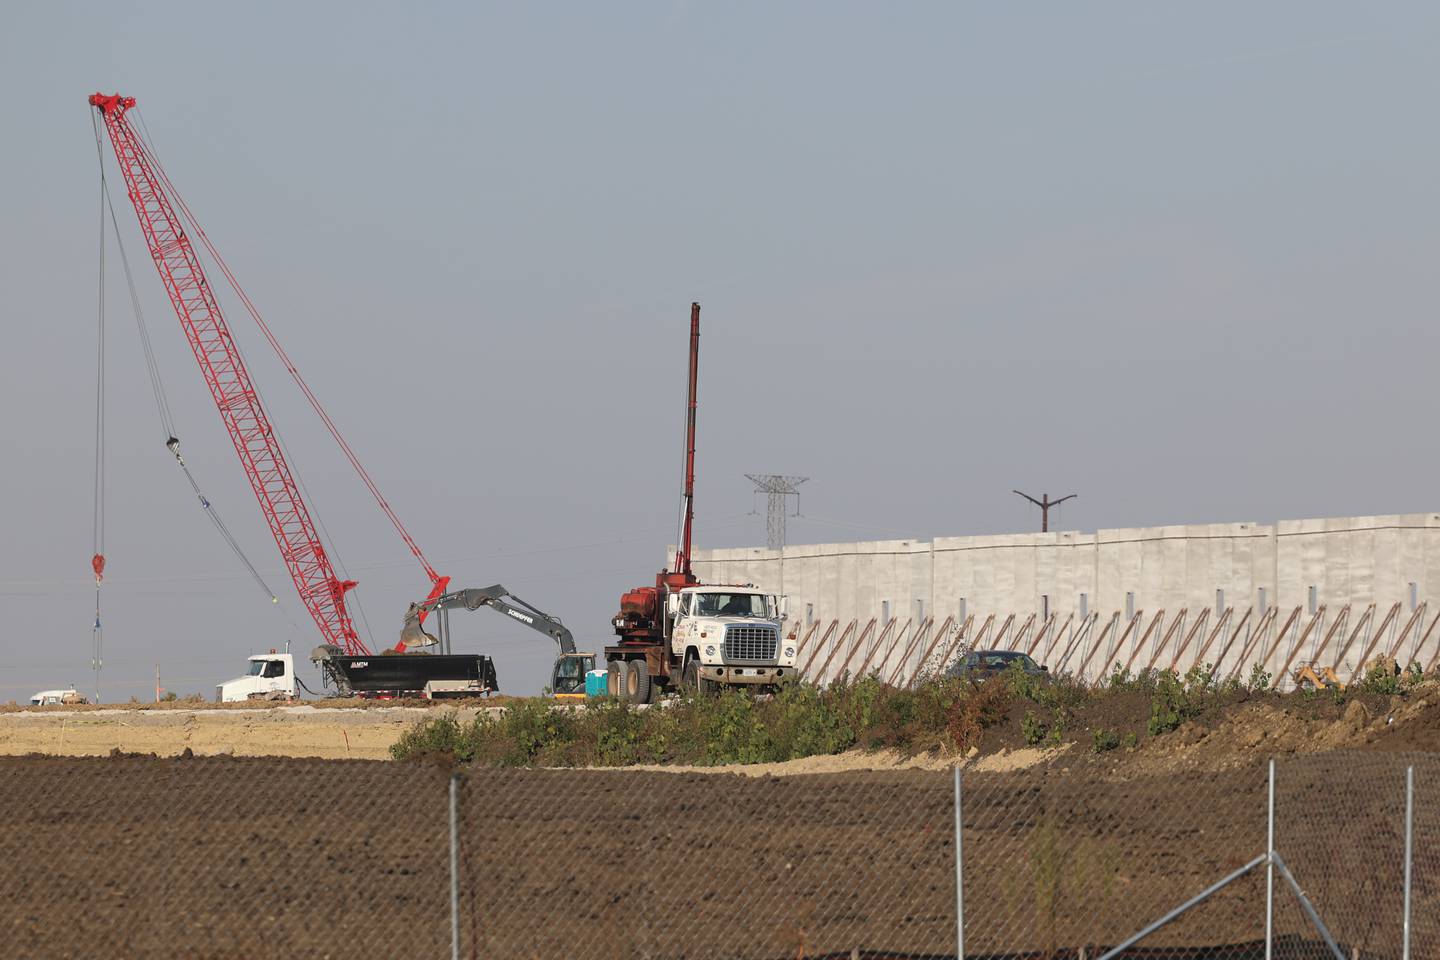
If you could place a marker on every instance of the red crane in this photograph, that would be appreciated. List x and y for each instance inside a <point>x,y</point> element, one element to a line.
<point>156,201</point>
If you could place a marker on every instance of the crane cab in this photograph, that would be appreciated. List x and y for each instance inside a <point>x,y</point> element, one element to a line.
<point>567,681</point>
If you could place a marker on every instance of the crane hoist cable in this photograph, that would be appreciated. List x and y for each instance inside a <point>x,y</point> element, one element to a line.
<point>97,516</point>
<point>157,388</point>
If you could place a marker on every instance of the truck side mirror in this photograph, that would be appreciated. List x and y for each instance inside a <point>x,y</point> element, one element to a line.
<point>672,605</point>
<point>782,606</point>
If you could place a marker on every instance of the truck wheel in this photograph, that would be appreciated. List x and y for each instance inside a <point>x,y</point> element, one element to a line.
<point>694,682</point>
<point>637,682</point>
<point>697,681</point>
<point>615,678</point>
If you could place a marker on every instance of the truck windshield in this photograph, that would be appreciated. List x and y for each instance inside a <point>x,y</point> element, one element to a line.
<point>257,668</point>
<point>730,605</point>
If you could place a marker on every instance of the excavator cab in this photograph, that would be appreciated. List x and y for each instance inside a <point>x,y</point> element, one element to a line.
<point>568,680</point>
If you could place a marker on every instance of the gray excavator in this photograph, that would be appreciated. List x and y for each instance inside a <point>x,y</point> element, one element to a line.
<point>567,679</point>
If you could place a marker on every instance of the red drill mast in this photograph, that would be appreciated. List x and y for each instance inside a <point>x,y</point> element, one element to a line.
<point>642,610</point>
<point>682,553</point>
<point>321,591</point>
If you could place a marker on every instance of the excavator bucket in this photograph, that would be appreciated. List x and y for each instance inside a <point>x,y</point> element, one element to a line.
<point>413,634</point>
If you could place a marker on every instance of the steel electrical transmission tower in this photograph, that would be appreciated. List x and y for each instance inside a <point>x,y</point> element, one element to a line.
<point>776,488</point>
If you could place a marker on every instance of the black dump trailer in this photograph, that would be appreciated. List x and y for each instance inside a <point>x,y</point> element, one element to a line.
<point>406,674</point>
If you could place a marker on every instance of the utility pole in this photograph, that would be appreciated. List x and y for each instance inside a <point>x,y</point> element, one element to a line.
<point>1045,503</point>
<point>776,488</point>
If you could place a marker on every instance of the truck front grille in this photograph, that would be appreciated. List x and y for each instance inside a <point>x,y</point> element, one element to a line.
<point>750,644</point>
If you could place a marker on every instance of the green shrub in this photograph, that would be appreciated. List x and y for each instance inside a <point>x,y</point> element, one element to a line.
<point>1022,684</point>
<point>1105,741</point>
<point>621,737</point>
<point>1170,704</point>
<point>1259,679</point>
<point>1200,680</point>
<point>733,726</point>
<point>803,725</point>
<point>1382,677</point>
<point>978,709</point>
<point>1056,734</point>
<point>436,735</point>
<point>1031,728</point>
<point>534,730</point>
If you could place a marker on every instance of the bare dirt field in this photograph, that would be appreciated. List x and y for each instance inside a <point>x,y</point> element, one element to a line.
<point>243,730</point>
<point>250,858</point>
<point>179,854</point>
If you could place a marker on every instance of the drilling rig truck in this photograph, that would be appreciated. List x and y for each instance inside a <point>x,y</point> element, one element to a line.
<point>681,632</point>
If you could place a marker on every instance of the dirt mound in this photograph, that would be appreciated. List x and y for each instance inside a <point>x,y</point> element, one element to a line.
<point>1243,732</point>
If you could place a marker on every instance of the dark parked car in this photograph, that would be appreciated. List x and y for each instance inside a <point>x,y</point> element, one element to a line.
<point>983,664</point>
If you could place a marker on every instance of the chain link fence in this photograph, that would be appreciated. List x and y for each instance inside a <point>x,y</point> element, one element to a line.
<point>226,857</point>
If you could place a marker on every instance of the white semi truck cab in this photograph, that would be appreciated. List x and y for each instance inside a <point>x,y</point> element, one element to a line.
<point>731,635</point>
<point>271,676</point>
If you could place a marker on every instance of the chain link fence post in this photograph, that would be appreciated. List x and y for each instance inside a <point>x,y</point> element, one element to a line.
<point>959,876</point>
<point>454,867</point>
<point>1409,856</point>
<point>1270,870</point>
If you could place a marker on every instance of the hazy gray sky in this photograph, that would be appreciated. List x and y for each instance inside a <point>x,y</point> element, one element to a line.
<point>1177,259</point>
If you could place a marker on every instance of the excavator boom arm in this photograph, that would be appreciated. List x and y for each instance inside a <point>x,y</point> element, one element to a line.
<point>495,597</point>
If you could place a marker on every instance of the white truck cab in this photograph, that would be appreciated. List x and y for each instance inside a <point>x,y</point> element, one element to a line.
<point>271,676</point>
<point>731,635</point>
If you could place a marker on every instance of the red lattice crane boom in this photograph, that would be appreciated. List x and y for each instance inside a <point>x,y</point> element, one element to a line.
<point>320,589</point>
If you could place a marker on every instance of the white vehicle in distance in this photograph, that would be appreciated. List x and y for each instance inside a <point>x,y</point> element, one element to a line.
<point>271,676</point>
<point>46,698</point>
